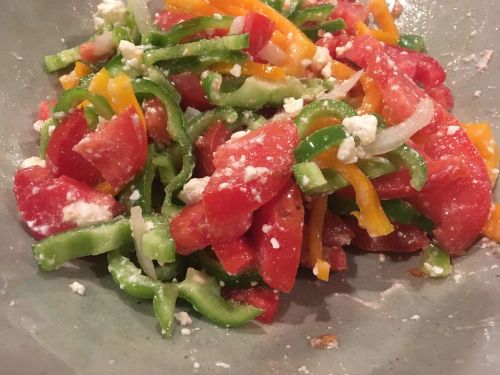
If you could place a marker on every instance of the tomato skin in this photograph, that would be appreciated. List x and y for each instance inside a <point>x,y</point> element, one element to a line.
<point>236,256</point>
<point>442,95</point>
<point>335,231</point>
<point>167,19</point>
<point>260,29</point>
<point>279,223</point>
<point>61,159</point>
<point>41,198</point>
<point>117,149</point>
<point>189,86</point>
<point>351,12</point>
<point>206,145</point>
<point>337,258</point>
<point>156,121</point>
<point>189,229</point>
<point>260,297</point>
<point>45,109</point>
<point>404,239</point>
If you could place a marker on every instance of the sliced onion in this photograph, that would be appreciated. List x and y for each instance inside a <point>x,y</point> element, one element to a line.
<point>142,15</point>
<point>343,89</point>
<point>237,25</point>
<point>103,44</point>
<point>391,138</point>
<point>138,226</point>
<point>273,54</point>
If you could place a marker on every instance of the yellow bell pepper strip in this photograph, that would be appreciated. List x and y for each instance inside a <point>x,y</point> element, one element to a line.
<point>371,216</point>
<point>228,8</point>
<point>300,46</point>
<point>388,32</point>
<point>321,267</point>
<point>492,228</point>
<point>99,84</point>
<point>280,40</point>
<point>122,95</point>
<point>250,68</point>
<point>481,135</point>
<point>194,7</point>
<point>71,80</point>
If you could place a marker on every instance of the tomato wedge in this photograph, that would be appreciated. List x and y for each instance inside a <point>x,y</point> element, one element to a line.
<point>156,121</point>
<point>261,297</point>
<point>189,229</point>
<point>260,30</point>
<point>189,86</point>
<point>206,145</point>
<point>236,256</point>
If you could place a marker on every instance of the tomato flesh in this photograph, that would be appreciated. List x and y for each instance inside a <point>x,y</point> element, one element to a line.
<point>189,86</point>
<point>260,30</point>
<point>236,256</point>
<point>189,229</point>
<point>260,297</point>
<point>156,121</point>
<point>206,145</point>
<point>167,19</point>
<point>351,12</point>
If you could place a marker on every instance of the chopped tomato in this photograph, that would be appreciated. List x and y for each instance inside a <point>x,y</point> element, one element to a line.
<point>236,256</point>
<point>335,231</point>
<point>351,12</point>
<point>118,149</point>
<point>189,229</point>
<point>91,54</point>
<point>250,171</point>
<point>277,235</point>
<point>260,29</point>
<point>189,86</point>
<point>61,159</point>
<point>41,199</point>
<point>405,238</point>
<point>45,109</point>
<point>167,19</point>
<point>442,95</point>
<point>336,257</point>
<point>260,297</point>
<point>156,120</point>
<point>206,145</point>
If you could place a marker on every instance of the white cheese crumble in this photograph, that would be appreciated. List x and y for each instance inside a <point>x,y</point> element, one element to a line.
<point>132,54</point>
<point>83,213</point>
<point>266,228</point>
<point>321,58</point>
<point>185,331</point>
<point>183,318</point>
<point>109,12</point>
<point>292,105</point>
<point>434,271</point>
<point>239,134</point>
<point>192,192</point>
<point>341,50</point>
<point>347,151</point>
<point>452,129</point>
<point>38,125</point>
<point>236,70</point>
<point>196,365</point>
<point>222,364</point>
<point>274,243</point>
<point>326,72</point>
<point>364,127</point>
<point>77,288</point>
<point>483,62</point>
<point>252,173</point>
<point>415,317</point>
<point>32,162</point>
<point>135,195</point>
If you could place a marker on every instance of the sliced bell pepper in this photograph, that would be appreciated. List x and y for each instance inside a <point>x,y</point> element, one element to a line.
<point>318,142</point>
<point>413,42</point>
<point>194,7</point>
<point>318,210</point>
<point>62,59</point>
<point>122,95</point>
<point>250,68</point>
<point>71,80</point>
<point>318,13</point>
<point>388,32</point>
<point>492,228</point>
<point>164,307</point>
<point>435,262</point>
<point>71,98</point>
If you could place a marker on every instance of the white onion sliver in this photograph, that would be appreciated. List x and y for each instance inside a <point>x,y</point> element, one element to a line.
<point>272,54</point>
<point>391,138</point>
<point>103,43</point>
<point>138,226</point>
<point>142,15</point>
<point>343,89</point>
<point>237,25</point>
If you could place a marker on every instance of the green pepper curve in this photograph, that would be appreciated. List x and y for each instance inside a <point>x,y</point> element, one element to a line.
<point>143,183</point>
<point>413,42</point>
<point>317,13</point>
<point>164,307</point>
<point>62,59</point>
<point>198,64</point>
<point>45,136</point>
<point>157,76</point>
<point>71,98</point>
<point>318,142</point>
<point>435,262</point>
<point>332,26</point>
<point>157,242</point>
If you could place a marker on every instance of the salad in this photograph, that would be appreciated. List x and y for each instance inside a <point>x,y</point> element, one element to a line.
<point>213,148</point>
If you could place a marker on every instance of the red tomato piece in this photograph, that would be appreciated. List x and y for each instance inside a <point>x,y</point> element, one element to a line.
<point>90,53</point>
<point>404,239</point>
<point>61,159</point>
<point>41,199</point>
<point>260,29</point>
<point>118,149</point>
<point>156,121</point>
<point>260,297</point>
<point>337,258</point>
<point>167,19</point>
<point>442,95</point>
<point>351,12</point>
<point>206,145</point>
<point>236,256</point>
<point>45,108</point>
<point>189,86</point>
<point>335,231</point>
<point>189,229</point>
<point>277,235</point>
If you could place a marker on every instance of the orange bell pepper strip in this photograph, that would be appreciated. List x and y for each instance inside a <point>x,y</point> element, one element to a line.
<point>106,188</point>
<point>228,7</point>
<point>388,32</point>
<point>321,267</point>
<point>492,228</point>
<point>122,95</point>
<point>250,68</point>
<point>481,135</point>
<point>371,216</point>
<point>71,80</point>
<point>195,7</point>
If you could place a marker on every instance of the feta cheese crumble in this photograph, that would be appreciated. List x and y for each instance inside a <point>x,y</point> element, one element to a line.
<point>192,192</point>
<point>77,288</point>
<point>363,127</point>
<point>183,318</point>
<point>239,134</point>
<point>222,364</point>
<point>185,331</point>
<point>83,213</point>
<point>32,162</point>
<point>452,129</point>
<point>109,12</point>
<point>38,125</point>
<point>252,173</point>
<point>321,58</point>
<point>236,70</point>
<point>132,54</point>
<point>292,105</point>
<point>266,228</point>
<point>135,195</point>
<point>347,151</point>
<point>274,243</point>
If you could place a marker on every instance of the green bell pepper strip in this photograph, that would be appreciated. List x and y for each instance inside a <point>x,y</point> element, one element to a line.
<point>165,164</point>
<point>321,108</point>
<point>250,120</point>
<point>143,183</point>
<point>203,292</point>
<point>201,124</point>
<point>62,59</point>
<point>164,307</point>
<point>157,76</point>
<point>187,28</point>
<point>171,270</point>
<point>120,33</point>
<point>71,98</point>
<point>309,182</point>
<point>255,93</point>
<point>45,136</point>
<point>157,242</point>
<point>116,66</point>
<point>51,252</point>
<point>333,26</point>
<point>413,42</point>
<point>85,81</point>
<point>293,8</point>
<point>198,64</point>
<point>275,4</point>
<point>318,142</point>
<point>435,262</point>
<point>91,117</point>
<point>232,42</point>
<point>318,13</point>
<point>413,161</point>
<point>178,132</point>
<point>211,266</point>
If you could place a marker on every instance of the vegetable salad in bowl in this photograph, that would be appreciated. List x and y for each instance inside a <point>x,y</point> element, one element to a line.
<point>213,148</point>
